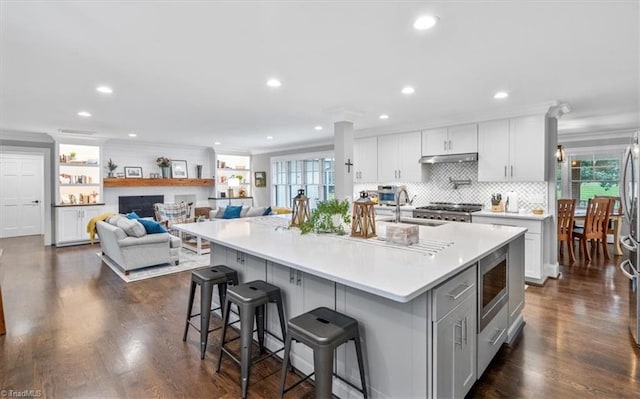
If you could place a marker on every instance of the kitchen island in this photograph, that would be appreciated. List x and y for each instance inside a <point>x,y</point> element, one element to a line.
<point>417,305</point>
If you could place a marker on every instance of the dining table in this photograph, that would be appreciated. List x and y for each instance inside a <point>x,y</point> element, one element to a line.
<point>615,218</point>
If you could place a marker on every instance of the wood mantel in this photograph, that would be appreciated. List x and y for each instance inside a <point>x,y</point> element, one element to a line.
<point>122,182</point>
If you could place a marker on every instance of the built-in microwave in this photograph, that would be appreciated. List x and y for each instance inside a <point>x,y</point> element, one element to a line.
<point>387,195</point>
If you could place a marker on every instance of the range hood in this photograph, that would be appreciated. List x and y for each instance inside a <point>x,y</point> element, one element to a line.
<point>468,157</point>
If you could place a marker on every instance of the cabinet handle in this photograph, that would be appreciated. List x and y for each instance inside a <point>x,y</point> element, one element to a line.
<point>291,278</point>
<point>466,333</point>
<point>497,338</point>
<point>511,170</point>
<point>449,144</point>
<point>238,256</point>
<point>299,277</point>
<point>455,296</point>
<point>505,171</point>
<point>399,174</point>
<point>444,145</point>
<point>455,336</point>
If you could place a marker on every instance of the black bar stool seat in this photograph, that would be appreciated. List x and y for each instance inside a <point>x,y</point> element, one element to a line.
<point>251,299</point>
<point>206,278</point>
<point>323,330</point>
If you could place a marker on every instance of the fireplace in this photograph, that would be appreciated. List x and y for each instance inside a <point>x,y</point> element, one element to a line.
<point>142,205</point>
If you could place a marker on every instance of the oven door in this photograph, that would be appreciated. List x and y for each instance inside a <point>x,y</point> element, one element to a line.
<point>492,286</point>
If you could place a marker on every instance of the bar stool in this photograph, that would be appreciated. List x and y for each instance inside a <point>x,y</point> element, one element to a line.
<point>207,277</point>
<point>251,299</point>
<point>323,330</point>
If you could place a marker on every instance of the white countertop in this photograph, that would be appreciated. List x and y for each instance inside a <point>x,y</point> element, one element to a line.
<point>527,215</point>
<point>393,272</point>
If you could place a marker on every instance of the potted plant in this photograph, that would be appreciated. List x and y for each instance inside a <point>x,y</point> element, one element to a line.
<point>72,155</point>
<point>111,166</point>
<point>330,216</point>
<point>164,163</point>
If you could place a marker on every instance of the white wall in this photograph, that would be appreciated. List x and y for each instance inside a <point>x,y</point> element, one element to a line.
<point>130,153</point>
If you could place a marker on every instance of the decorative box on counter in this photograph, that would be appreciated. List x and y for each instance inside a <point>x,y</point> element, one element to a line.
<point>403,234</point>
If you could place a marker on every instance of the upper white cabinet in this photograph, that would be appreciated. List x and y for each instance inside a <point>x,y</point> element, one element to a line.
<point>450,140</point>
<point>512,149</point>
<point>398,156</point>
<point>365,160</point>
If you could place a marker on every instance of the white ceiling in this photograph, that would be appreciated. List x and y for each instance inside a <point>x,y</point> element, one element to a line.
<point>195,72</point>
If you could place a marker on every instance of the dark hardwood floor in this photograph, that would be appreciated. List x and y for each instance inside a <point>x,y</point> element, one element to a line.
<point>74,329</point>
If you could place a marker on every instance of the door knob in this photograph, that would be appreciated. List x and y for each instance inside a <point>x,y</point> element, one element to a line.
<point>36,201</point>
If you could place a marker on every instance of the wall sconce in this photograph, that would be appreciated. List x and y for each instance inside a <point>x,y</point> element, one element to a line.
<point>560,154</point>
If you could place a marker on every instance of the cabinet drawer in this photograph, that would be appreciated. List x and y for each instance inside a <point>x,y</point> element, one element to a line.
<point>451,293</point>
<point>491,338</point>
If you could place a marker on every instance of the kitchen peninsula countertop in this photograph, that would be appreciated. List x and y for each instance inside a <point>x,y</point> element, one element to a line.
<point>387,270</point>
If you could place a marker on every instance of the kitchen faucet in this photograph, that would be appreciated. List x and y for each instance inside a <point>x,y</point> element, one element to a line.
<point>399,192</point>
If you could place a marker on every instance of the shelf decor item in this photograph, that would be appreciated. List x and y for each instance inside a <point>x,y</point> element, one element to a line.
<point>300,213</point>
<point>199,171</point>
<point>164,163</point>
<point>364,219</point>
<point>134,172</point>
<point>111,166</point>
<point>179,169</point>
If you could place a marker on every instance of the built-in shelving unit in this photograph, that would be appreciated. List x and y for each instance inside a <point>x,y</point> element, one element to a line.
<point>233,175</point>
<point>79,174</point>
<point>120,182</point>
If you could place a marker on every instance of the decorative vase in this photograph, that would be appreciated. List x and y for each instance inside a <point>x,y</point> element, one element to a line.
<point>110,174</point>
<point>165,172</point>
<point>199,171</point>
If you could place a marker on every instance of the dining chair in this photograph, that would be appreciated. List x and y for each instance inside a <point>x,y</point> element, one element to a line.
<point>566,213</point>
<point>614,206</point>
<point>596,225</point>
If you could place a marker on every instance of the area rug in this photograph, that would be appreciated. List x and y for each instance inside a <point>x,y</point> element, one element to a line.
<point>188,260</point>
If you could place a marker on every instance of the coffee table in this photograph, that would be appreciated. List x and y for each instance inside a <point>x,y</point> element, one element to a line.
<point>193,243</point>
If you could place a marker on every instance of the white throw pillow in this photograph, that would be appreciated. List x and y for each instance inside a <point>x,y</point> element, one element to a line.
<point>243,212</point>
<point>256,211</point>
<point>220,212</point>
<point>133,228</point>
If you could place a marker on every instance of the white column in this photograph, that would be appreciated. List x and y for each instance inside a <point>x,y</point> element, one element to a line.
<point>343,152</point>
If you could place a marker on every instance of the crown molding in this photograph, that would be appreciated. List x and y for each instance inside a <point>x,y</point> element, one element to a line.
<point>18,135</point>
<point>593,135</point>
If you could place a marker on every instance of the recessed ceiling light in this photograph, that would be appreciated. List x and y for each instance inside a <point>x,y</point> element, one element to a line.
<point>274,83</point>
<point>84,114</point>
<point>425,22</point>
<point>132,135</point>
<point>384,116</point>
<point>269,137</point>
<point>217,143</point>
<point>104,89</point>
<point>318,127</point>
<point>408,90</point>
<point>501,94</point>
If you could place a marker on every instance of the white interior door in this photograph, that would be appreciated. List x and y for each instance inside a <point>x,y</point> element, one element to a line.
<point>21,195</point>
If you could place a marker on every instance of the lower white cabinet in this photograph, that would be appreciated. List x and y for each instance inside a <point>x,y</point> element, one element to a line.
<point>301,293</point>
<point>454,335</point>
<point>455,351</point>
<point>71,223</point>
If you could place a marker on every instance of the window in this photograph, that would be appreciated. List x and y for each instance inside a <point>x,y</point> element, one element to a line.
<point>594,174</point>
<point>313,174</point>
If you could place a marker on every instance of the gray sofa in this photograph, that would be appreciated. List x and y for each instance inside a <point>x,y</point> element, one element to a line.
<point>134,249</point>
<point>247,211</point>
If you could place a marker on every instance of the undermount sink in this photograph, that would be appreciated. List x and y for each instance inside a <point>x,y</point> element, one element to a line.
<point>416,221</point>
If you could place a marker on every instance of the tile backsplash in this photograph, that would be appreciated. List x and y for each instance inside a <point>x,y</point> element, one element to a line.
<point>439,188</point>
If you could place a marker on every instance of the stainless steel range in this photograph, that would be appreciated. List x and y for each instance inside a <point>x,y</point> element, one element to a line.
<point>447,211</point>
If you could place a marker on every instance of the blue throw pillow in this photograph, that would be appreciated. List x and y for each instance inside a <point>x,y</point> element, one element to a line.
<point>232,212</point>
<point>267,212</point>
<point>132,215</point>
<point>152,226</point>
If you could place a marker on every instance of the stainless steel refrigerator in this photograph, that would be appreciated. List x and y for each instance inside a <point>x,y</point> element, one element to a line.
<point>630,267</point>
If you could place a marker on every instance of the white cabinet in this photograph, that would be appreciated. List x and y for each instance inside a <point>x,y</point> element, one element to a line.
<point>512,150</point>
<point>398,157</point>
<point>454,335</point>
<point>71,223</point>
<point>301,292</point>
<point>455,351</point>
<point>365,160</point>
<point>533,243</point>
<point>516,287</point>
<point>450,140</point>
